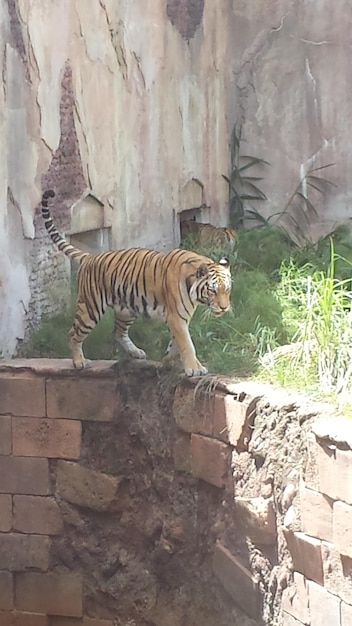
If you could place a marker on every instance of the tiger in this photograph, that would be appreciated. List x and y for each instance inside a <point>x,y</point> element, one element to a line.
<point>141,282</point>
<point>206,233</point>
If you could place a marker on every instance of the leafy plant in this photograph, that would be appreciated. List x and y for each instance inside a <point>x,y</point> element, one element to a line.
<point>300,210</point>
<point>243,188</point>
<point>317,314</point>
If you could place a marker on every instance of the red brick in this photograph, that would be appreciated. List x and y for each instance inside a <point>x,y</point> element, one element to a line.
<point>211,460</point>
<point>193,412</point>
<point>337,572</point>
<point>182,451</point>
<point>37,514</point>
<point>295,600</point>
<point>6,591</point>
<point>24,476</point>
<point>316,514</point>
<point>85,487</point>
<point>84,621</point>
<point>59,438</point>
<point>342,528</point>
<point>16,618</point>
<point>238,581</point>
<point>346,614</point>
<point>92,621</point>
<point>335,470</point>
<point>22,396</point>
<point>233,419</point>
<point>324,607</point>
<point>20,552</point>
<point>5,513</point>
<point>5,435</point>
<point>55,367</point>
<point>52,593</point>
<point>306,554</point>
<point>82,399</point>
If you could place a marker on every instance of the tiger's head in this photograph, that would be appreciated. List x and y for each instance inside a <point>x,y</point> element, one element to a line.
<point>213,287</point>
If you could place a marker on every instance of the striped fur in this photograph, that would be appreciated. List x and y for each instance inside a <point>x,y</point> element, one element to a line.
<point>138,282</point>
<point>221,237</point>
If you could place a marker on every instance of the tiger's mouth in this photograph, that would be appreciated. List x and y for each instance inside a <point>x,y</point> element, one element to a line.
<point>218,312</point>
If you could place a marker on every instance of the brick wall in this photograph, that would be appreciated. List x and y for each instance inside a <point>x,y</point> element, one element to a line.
<point>322,549</point>
<point>36,428</point>
<point>311,531</point>
<point>305,529</point>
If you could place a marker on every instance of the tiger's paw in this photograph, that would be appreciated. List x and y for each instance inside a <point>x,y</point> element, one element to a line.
<point>82,364</point>
<point>138,354</point>
<point>196,371</point>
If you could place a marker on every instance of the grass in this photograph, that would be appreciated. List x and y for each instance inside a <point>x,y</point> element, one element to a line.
<point>317,315</point>
<point>290,323</point>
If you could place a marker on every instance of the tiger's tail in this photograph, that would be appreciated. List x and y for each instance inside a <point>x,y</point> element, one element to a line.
<point>59,240</point>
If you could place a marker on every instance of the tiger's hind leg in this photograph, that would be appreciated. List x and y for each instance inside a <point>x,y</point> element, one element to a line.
<point>83,324</point>
<point>122,325</point>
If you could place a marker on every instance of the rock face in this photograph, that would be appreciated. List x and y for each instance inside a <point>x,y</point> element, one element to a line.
<point>132,106</point>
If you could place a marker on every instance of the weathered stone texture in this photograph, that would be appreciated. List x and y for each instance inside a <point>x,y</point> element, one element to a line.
<point>23,618</point>
<point>79,399</point>
<point>22,396</point>
<point>238,581</point>
<point>5,435</point>
<point>316,513</point>
<point>60,438</point>
<point>295,600</point>
<point>323,606</point>
<point>84,621</point>
<point>86,487</point>
<point>337,572</point>
<point>210,460</point>
<point>165,72</point>
<point>6,591</point>
<point>182,452</point>
<point>21,552</point>
<point>306,555</point>
<point>342,528</point>
<point>346,614</point>
<point>54,593</point>
<point>24,475</point>
<point>257,519</point>
<point>334,470</point>
<point>36,514</point>
<point>5,512</point>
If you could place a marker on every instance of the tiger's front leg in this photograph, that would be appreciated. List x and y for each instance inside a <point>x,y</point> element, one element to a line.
<point>122,326</point>
<point>182,338</point>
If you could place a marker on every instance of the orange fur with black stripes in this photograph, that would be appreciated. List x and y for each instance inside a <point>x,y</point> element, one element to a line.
<point>219,236</point>
<point>138,282</point>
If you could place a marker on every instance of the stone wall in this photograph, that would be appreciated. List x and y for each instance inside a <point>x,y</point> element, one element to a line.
<point>288,558</point>
<point>114,508</point>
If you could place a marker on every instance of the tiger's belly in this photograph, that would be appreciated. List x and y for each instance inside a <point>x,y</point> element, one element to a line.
<point>140,308</point>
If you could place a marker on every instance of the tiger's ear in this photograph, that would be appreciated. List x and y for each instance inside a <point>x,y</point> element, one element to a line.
<point>202,271</point>
<point>224,261</point>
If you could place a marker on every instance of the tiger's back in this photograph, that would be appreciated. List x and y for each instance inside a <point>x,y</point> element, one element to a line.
<point>139,282</point>
<point>205,233</point>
